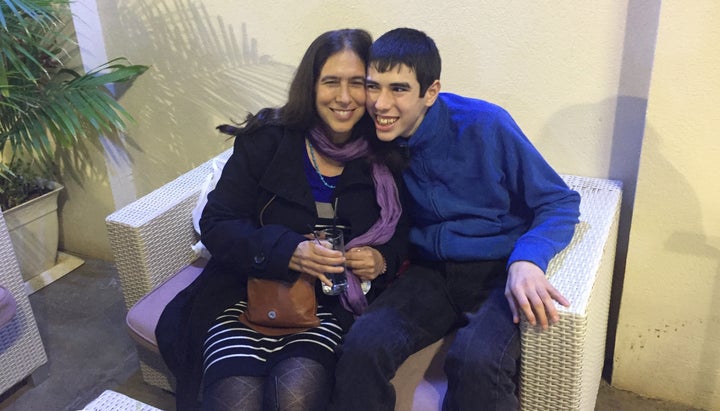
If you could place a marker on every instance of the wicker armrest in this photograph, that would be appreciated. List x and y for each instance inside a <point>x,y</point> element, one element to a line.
<point>151,238</point>
<point>561,367</point>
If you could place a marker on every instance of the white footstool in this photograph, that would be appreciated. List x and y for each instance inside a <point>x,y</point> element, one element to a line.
<point>113,401</point>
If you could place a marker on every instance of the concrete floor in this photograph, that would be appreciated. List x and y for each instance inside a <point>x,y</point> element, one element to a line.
<point>81,321</point>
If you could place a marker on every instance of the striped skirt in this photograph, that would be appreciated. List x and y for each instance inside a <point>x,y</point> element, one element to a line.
<point>233,348</point>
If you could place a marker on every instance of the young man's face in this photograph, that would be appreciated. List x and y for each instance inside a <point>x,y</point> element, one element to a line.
<point>394,102</point>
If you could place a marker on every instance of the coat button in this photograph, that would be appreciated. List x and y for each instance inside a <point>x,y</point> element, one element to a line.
<point>272,315</point>
<point>259,258</point>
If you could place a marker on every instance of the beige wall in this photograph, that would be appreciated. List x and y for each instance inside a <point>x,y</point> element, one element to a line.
<point>668,343</point>
<point>575,78</point>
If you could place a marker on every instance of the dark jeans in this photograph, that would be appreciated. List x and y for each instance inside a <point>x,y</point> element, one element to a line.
<point>426,303</point>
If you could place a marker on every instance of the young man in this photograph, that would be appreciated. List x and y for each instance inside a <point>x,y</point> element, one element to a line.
<point>488,214</point>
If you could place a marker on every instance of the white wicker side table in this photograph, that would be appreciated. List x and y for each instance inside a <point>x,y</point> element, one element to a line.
<point>114,401</point>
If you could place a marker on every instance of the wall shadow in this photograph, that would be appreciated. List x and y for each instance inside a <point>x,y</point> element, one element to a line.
<point>205,65</point>
<point>200,64</point>
<point>641,27</point>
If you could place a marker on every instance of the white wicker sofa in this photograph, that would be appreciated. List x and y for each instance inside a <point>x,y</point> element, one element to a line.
<point>151,240</point>
<point>22,353</point>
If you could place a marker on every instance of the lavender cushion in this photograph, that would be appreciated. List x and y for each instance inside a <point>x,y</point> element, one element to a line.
<point>7,306</point>
<point>144,315</point>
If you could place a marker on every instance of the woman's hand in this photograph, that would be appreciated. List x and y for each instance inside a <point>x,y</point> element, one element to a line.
<point>316,260</point>
<point>366,262</point>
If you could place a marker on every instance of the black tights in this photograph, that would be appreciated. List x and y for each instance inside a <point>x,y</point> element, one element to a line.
<point>294,384</point>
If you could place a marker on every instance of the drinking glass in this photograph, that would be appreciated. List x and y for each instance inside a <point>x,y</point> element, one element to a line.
<point>333,239</point>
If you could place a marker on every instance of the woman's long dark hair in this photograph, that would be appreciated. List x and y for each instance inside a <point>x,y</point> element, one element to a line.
<point>299,112</point>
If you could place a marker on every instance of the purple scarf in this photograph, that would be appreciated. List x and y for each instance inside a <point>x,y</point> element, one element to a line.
<point>387,198</point>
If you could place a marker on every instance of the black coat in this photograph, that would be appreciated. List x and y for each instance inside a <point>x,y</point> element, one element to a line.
<point>252,223</point>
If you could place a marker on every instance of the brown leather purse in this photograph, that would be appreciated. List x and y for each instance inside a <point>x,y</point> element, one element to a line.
<point>280,308</point>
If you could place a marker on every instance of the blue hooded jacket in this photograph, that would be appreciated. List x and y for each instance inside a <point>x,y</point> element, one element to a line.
<point>480,190</point>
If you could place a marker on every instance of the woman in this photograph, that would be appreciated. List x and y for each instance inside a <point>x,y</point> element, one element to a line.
<point>293,170</point>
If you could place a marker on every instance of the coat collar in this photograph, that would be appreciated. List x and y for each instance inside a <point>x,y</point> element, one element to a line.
<point>285,176</point>
<point>426,137</point>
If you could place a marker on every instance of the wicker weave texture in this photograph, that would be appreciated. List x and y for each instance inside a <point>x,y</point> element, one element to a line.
<point>113,401</point>
<point>21,349</point>
<point>151,237</point>
<point>154,371</point>
<point>561,367</point>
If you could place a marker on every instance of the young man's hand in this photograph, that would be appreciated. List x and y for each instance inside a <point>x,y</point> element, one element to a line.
<point>528,290</point>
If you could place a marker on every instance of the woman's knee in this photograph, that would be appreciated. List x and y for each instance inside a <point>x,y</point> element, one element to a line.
<point>297,383</point>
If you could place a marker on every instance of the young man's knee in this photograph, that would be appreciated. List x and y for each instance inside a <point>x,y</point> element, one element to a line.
<point>473,361</point>
<point>367,343</point>
<point>476,362</point>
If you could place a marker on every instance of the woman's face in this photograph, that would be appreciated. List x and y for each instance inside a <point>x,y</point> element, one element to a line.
<point>340,93</point>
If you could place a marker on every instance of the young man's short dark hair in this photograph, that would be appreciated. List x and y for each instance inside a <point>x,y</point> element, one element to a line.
<point>412,48</point>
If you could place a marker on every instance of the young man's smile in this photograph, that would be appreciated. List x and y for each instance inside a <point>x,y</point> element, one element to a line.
<point>385,121</point>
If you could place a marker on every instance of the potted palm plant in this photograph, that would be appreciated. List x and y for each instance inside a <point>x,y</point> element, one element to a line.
<point>46,106</point>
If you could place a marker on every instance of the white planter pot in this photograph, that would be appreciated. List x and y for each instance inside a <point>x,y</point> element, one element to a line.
<point>33,228</point>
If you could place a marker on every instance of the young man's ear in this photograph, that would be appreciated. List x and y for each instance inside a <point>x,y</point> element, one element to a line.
<point>431,94</point>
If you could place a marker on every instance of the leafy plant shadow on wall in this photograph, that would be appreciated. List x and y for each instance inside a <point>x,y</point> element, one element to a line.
<point>203,66</point>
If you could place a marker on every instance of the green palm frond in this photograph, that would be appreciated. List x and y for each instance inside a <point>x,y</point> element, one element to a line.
<point>68,108</point>
<point>23,12</point>
<point>28,31</point>
<point>44,105</point>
